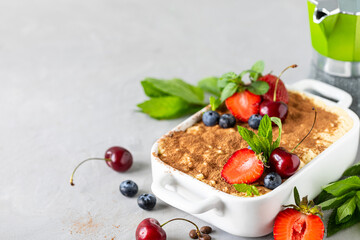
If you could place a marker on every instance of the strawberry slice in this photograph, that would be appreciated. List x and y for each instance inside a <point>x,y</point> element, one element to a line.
<point>242,167</point>
<point>281,92</point>
<point>291,224</point>
<point>243,104</point>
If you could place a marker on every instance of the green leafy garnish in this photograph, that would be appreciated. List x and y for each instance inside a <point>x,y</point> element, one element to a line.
<point>334,227</point>
<point>250,190</point>
<point>214,103</point>
<point>179,88</point>
<point>210,85</point>
<point>262,142</point>
<point>353,171</point>
<point>343,197</point>
<point>170,98</point>
<point>345,211</point>
<point>166,96</point>
<point>167,107</point>
<point>229,90</point>
<point>258,87</point>
<point>343,186</point>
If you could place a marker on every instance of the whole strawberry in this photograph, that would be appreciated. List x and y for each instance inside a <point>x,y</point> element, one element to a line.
<point>300,221</point>
<point>281,92</point>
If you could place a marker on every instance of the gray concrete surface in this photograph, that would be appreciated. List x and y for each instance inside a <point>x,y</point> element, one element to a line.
<point>69,85</point>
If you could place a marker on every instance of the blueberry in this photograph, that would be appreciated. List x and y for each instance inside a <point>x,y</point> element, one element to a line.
<point>146,201</point>
<point>227,121</point>
<point>272,180</point>
<point>254,121</point>
<point>210,118</point>
<point>128,188</point>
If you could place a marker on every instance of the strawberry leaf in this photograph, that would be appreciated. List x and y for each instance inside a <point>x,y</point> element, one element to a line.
<point>296,196</point>
<point>228,91</point>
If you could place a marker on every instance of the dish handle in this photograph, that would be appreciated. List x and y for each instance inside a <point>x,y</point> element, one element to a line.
<point>169,191</point>
<point>334,94</point>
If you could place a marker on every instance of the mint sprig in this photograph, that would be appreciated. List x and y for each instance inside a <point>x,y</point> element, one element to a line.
<point>262,142</point>
<point>250,190</point>
<point>230,83</point>
<point>343,198</point>
<point>170,98</point>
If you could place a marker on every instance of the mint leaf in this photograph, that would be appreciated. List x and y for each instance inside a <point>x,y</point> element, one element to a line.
<point>150,90</point>
<point>277,121</point>
<point>265,128</point>
<point>228,91</point>
<point>226,78</point>
<point>167,107</point>
<point>343,186</point>
<point>323,196</point>
<point>179,88</point>
<point>259,66</point>
<point>333,227</point>
<point>210,85</point>
<point>353,170</point>
<point>345,211</point>
<point>215,103</point>
<point>254,190</point>
<point>251,138</point>
<point>358,199</point>
<point>249,189</point>
<point>258,87</point>
<point>336,201</point>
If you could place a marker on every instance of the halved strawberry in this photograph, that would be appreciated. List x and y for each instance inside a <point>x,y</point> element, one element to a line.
<point>300,222</point>
<point>291,224</point>
<point>242,167</point>
<point>243,104</point>
<point>281,92</point>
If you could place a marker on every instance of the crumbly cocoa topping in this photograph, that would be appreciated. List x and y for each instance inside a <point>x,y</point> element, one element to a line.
<point>202,151</point>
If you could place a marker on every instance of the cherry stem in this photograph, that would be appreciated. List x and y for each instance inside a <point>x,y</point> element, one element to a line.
<point>183,219</point>
<point>72,175</point>
<point>308,132</point>
<point>277,80</point>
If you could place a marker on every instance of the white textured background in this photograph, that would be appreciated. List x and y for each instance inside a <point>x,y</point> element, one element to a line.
<point>69,85</point>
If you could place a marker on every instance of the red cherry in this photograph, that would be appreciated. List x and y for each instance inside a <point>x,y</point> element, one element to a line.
<point>285,163</point>
<point>150,229</point>
<point>121,159</point>
<point>118,158</point>
<point>274,109</point>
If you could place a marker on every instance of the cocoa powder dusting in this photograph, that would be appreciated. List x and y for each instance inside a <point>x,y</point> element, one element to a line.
<point>202,151</point>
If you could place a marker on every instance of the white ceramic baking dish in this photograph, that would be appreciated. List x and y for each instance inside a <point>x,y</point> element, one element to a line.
<point>253,217</point>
